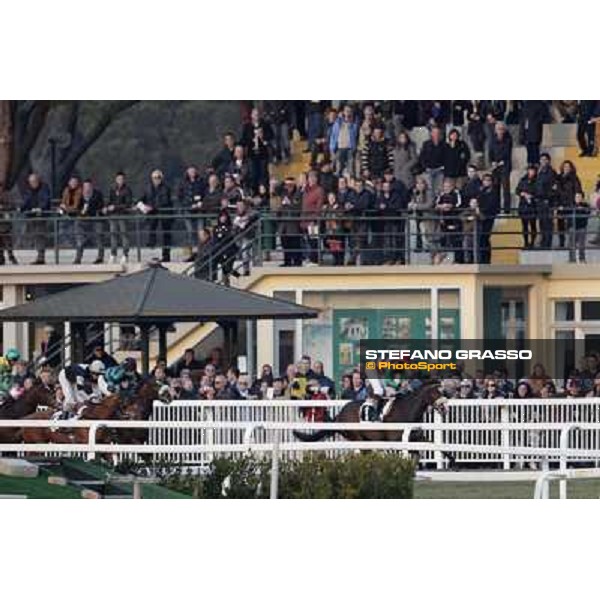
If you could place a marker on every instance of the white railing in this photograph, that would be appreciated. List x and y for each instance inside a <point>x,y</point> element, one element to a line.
<point>275,449</point>
<point>461,412</point>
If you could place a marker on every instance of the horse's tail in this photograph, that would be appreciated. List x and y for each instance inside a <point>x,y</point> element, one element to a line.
<point>315,436</point>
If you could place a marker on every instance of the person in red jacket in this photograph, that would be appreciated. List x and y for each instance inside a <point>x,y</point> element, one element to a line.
<point>314,414</point>
<point>313,199</point>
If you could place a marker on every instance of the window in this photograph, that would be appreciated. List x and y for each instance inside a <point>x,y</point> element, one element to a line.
<point>590,310</point>
<point>564,311</point>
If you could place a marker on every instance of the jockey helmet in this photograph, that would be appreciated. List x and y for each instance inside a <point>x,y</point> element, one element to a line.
<point>97,367</point>
<point>13,354</point>
<point>130,364</point>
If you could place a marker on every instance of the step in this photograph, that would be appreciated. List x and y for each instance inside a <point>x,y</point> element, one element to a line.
<point>18,467</point>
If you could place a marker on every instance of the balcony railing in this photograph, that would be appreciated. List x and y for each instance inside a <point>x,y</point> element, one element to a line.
<point>369,239</point>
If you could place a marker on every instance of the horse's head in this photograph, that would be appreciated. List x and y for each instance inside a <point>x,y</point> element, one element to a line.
<point>434,396</point>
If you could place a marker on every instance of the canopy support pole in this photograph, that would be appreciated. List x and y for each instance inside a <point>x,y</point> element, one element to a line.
<point>162,342</point>
<point>145,338</point>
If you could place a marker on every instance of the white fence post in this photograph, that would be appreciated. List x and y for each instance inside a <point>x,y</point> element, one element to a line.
<point>275,468</point>
<point>92,440</point>
<point>564,446</point>
<point>438,436</point>
<point>505,436</point>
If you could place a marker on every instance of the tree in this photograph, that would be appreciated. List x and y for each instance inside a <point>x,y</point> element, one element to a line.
<point>28,127</point>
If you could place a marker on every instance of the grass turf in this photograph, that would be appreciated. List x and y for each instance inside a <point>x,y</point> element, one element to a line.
<point>39,488</point>
<point>501,490</point>
<point>36,488</point>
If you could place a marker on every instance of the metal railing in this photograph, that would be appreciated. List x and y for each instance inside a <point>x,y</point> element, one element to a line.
<point>370,238</point>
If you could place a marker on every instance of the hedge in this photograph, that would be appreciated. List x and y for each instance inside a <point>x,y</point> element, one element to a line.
<point>366,475</point>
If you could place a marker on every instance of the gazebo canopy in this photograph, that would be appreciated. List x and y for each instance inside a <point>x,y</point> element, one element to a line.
<point>154,296</point>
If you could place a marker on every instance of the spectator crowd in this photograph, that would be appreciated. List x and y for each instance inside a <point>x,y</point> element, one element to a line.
<point>370,196</point>
<point>191,378</point>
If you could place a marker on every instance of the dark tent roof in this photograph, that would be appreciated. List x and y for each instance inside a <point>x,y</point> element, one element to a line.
<point>154,295</point>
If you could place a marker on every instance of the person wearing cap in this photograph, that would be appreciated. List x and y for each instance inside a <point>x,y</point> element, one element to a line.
<point>82,383</point>
<point>526,192</point>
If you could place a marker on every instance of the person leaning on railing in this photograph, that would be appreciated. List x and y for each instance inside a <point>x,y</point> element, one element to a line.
<point>69,208</point>
<point>120,204</point>
<point>36,206</point>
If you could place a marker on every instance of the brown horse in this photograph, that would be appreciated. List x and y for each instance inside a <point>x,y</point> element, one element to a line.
<point>404,409</point>
<point>140,409</point>
<point>27,404</point>
<point>104,410</point>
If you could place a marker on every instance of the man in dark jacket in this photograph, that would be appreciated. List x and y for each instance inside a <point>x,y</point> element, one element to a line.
<point>500,155</point>
<point>278,114</point>
<point>533,116</point>
<point>6,229</point>
<point>472,186</point>
<point>288,218</point>
<point>204,267</point>
<point>489,206</point>
<point>256,138</point>
<point>157,204</point>
<point>220,163</point>
<point>190,194</point>
<point>577,223</point>
<point>396,226</point>
<point>586,126</point>
<point>545,195</point>
<point>88,224</point>
<point>120,205</point>
<point>364,203</point>
<point>456,159</point>
<point>36,206</point>
<point>432,158</point>
<point>449,206</point>
<point>377,155</point>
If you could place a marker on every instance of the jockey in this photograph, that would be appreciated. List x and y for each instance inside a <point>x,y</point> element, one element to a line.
<point>124,378</point>
<point>7,363</point>
<point>369,411</point>
<point>81,384</point>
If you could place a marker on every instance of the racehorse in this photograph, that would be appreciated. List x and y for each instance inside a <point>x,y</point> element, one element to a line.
<point>33,398</point>
<point>140,409</point>
<point>404,409</point>
<point>106,409</point>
